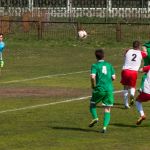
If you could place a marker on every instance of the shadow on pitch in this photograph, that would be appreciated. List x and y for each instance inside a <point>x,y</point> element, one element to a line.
<point>123,125</point>
<point>118,104</point>
<point>74,129</point>
<point>128,125</point>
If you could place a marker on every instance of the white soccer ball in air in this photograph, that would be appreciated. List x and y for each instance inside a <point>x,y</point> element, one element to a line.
<point>82,34</point>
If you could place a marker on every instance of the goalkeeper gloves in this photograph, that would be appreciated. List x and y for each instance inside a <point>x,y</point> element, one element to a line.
<point>1,63</point>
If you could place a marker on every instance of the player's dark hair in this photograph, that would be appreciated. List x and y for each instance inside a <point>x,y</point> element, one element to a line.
<point>136,44</point>
<point>99,53</point>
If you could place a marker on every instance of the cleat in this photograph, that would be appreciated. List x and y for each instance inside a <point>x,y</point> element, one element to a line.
<point>127,107</point>
<point>139,90</point>
<point>132,102</point>
<point>103,131</point>
<point>93,122</point>
<point>139,121</point>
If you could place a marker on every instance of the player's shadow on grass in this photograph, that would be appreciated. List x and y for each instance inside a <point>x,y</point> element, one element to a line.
<point>128,125</point>
<point>74,129</point>
<point>123,125</point>
<point>118,104</point>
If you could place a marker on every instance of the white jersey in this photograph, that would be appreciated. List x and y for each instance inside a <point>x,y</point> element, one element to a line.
<point>133,59</point>
<point>146,88</point>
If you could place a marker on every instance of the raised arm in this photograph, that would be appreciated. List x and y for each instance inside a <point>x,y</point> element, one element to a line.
<point>145,69</point>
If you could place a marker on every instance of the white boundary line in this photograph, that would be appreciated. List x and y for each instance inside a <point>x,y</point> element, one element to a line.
<point>42,77</point>
<point>48,104</point>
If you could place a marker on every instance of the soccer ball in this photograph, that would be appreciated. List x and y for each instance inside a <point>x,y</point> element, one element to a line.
<point>82,34</point>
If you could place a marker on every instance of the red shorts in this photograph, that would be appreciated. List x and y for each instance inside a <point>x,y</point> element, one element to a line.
<point>143,97</point>
<point>129,77</point>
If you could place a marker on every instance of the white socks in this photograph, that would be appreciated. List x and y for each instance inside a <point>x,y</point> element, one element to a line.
<point>125,96</point>
<point>132,92</point>
<point>139,108</point>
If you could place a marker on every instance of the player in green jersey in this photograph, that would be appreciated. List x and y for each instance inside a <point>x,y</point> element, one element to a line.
<point>102,74</point>
<point>146,48</point>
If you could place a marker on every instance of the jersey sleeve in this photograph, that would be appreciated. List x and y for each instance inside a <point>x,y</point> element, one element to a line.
<point>93,69</point>
<point>144,54</point>
<point>146,68</point>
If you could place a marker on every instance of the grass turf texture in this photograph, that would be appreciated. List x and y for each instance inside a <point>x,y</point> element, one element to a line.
<point>65,125</point>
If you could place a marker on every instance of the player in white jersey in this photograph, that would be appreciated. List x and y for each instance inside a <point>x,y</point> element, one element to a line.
<point>144,95</point>
<point>133,58</point>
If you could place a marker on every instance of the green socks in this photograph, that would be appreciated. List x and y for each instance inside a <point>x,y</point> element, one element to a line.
<point>106,119</point>
<point>93,112</point>
<point>106,116</point>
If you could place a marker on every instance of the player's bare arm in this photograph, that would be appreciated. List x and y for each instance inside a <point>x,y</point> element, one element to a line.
<point>146,68</point>
<point>144,49</point>
<point>141,70</point>
<point>93,81</point>
<point>113,77</point>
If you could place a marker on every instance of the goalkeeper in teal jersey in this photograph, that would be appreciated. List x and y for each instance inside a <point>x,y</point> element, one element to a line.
<point>102,74</point>
<point>2,46</point>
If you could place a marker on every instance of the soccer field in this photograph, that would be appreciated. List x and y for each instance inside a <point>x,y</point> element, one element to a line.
<point>44,102</point>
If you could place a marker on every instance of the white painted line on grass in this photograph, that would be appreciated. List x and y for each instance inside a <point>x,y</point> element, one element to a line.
<point>42,77</point>
<point>48,104</point>
<point>42,105</point>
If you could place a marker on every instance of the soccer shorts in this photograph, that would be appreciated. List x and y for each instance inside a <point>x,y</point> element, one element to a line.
<point>142,81</point>
<point>129,77</point>
<point>107,98</point>
<point>143,97</point>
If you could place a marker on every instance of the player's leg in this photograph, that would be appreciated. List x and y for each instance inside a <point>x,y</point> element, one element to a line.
<point>94,100</point>
<point>93,112</point>
<point>132,94</point>
<point>108,102</point>
<point>125,78</point>
<point>141,112</point>
<point>106,119</point>
<point>126,96</point>
<point>1,63</point>
<point>132,86</point>
<point>143,97</point>
<point>128,79</point>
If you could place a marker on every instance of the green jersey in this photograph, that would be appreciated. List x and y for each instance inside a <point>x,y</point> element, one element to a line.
<point>103,71</point>
<point>147,59</point>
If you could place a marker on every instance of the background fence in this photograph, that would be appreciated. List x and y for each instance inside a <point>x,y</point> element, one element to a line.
<point>27,30</point>
<point>60,19</point>
<point>73,10</point>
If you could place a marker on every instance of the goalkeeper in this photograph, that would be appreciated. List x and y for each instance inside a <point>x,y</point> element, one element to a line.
<point>2,46</point>
<point>102,74</point>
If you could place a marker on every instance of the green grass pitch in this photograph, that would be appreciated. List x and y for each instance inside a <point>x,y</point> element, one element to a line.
<point>46,72</point>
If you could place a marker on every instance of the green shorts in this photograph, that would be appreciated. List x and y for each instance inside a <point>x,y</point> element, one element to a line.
<point>142,81</point>
<point>107,98</point>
